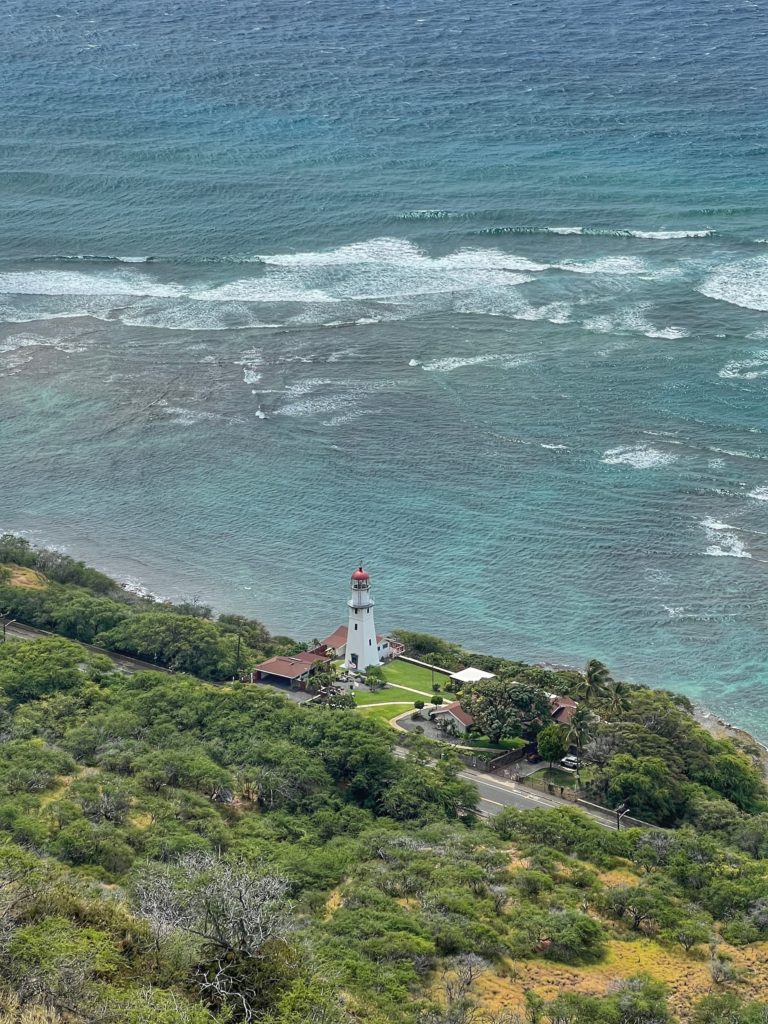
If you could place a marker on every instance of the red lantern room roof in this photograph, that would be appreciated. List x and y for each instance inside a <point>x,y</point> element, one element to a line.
<point>360,574</point>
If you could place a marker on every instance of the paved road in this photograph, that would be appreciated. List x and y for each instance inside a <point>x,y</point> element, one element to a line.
<point>123,662</point>
<point>496,794</point>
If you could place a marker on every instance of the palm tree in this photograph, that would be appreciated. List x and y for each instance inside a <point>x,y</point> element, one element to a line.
<point>616,699</point>
<point>578,733</point>
<point>595,682</point>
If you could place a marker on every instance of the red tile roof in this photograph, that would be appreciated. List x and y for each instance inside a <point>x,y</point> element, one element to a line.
<point>289,667</point>
<point>562,709</point>
<point>458,712</point>
<point>339,638</point>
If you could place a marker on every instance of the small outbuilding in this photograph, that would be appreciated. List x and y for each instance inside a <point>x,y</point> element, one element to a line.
<point>471,675</point>
<point>562,708</point>
<point>453,713</point>
<point>292,670</point>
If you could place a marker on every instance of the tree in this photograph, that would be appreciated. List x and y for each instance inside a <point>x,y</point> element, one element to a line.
<point>595,681</point>
<point>552,743</point>
<point>503,709</point>
<point>375,678</point>
<point>616,699</point>
<point>238,917</point>
<point>579,729</point>
<point>648,786</point>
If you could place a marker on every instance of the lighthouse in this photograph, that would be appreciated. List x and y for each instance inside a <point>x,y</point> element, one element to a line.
<point>362,648</point>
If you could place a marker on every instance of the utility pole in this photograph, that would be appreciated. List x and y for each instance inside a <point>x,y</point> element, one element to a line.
<point>6,623</point>
<point>237,659</point>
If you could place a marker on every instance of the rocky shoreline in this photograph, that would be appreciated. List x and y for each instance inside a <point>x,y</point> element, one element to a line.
<point>742,738</point>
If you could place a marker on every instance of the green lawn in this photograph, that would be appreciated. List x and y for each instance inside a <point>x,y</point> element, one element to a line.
<point>556,776</point>
<point>384,712</point>
<point>398,672</point>
<point>387,694</point>
<point>411,675</point>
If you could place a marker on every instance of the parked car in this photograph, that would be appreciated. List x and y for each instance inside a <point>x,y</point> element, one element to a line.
<point>571,762</point>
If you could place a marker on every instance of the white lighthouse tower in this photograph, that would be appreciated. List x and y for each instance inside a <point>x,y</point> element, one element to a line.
<point>362,648</point>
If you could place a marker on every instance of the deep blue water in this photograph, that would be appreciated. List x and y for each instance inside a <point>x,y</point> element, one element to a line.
<point>494,278</point>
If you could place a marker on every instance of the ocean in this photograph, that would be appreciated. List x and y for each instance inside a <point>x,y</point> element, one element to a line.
<point>476,295</point>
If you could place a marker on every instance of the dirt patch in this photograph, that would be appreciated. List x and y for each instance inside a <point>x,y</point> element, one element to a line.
<point>28,578</point>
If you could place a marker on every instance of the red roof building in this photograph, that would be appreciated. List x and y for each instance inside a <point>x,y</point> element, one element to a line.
<point>294,670</point>
<point>455,713</point>
<point>562,709</point>
<point>335,645</point>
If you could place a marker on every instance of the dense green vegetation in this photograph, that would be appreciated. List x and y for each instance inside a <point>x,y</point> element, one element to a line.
<point>181,852</point>
<point>79,602</point>
<point>640,747</point>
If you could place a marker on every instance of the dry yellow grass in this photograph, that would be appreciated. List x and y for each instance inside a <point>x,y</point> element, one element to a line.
<point>12,1012</point>
<point>687,975</point>
<point>618,876</point>
<point>333,903</point>
<point>29,578</point>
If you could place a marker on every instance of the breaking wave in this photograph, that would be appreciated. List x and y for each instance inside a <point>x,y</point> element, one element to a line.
<point>744,283</point>
<point>640,456</point>
<point>457,362</point>
<point>724,542</point>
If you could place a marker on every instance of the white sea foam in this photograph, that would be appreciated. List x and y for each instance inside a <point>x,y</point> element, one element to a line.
<point>556,447</point>
<point>351,414</point>
<point>17,342</point>
<point>306,387</point>
<point>250,358</point>
<point>674,612</point>
<point>723,542</point>
<point>75,282</point>
<point>635,320</point>
<point>316,404</point>
<point>566,231</point>
<point>759,494</point>
<point>134,586</point>
<point>640,456</point>
<point>178,414</point>
<point>251,376</point>
<point>747,369</point>
<point>620,265</point>
<point>457,362</point>
<point>400,251</point>
<point>743,283</point>
<point>665,235</point>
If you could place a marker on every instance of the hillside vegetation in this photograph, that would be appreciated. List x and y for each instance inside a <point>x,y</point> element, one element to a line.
<point>53,591</point>
<point>180,852</point>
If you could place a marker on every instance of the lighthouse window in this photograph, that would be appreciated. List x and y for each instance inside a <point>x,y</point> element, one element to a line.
<point>355,625</point>
<point>369,643</point>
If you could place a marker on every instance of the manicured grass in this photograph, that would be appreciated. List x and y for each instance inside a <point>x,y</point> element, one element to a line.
<point>384,712</point>
<point>411,675</point>
<point>556,776</point>
<point>387,694</point>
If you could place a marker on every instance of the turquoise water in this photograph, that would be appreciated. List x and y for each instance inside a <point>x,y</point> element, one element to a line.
<point>476,296</point>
